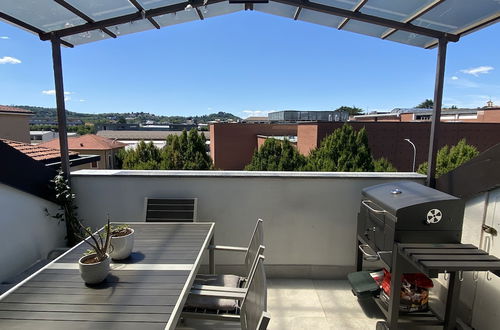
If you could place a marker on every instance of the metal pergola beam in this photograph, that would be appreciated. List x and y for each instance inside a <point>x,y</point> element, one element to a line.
<point>306,4</point>
<point>82,15</point>
<point>413,17</point>
<point>141,10</point>
<point>470,28</point>
<point>357,8</point>
<point>358,16</point>
<point>127,18</point>
<point>436,113</point>
<point>28,27</point>
<point>61,108</point>
<point>297,13</point>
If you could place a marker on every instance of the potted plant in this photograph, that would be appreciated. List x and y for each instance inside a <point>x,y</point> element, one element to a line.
<point>122,242</point>
<point>94,266</point>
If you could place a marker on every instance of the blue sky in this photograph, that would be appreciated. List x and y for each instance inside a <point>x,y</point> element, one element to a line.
<point>247,63</point>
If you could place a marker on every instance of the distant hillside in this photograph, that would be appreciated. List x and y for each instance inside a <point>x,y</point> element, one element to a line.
<point>129,117</point>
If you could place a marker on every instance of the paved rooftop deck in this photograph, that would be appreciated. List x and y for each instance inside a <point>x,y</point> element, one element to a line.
<point>308,304</point>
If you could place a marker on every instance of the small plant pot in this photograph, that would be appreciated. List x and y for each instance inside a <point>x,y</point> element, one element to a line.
<point>121,246</point>
<point>93,273</point>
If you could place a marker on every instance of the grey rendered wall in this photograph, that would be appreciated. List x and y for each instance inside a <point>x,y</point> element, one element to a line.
<point>309,218</point>
<point>27,235</point>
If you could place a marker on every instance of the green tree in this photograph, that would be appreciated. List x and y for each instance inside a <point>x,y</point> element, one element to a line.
<point>276,155</point>
<point>449,158</point>
<point>121,120</point>
<point>383,165</point>
<point>353,111</point>
<point>427,104</point>
<point>146,156</point>
<point>345,150</point>
<point>186,152</point>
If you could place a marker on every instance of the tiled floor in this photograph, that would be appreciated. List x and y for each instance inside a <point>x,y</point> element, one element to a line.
<point>308,304</point>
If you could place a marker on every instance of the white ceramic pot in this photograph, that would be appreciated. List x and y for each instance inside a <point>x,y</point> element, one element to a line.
<point>94,273</point>
<point>121,246</point>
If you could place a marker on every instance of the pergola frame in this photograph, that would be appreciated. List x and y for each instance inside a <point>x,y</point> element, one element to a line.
<point>355,14</point>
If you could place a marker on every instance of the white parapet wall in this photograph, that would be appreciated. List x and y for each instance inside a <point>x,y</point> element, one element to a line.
<point>309,217</point>
<point>27,234</point>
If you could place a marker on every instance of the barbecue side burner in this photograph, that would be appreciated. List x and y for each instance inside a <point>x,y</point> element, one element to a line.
<point>407,212</point>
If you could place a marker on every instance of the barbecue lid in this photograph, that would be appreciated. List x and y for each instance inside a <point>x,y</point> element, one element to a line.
<point>401,194</point>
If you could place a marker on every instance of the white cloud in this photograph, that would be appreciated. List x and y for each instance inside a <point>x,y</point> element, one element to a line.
<point>53,92</point>
<point>67,98</point>
<point>256,113</point>
<point>9,60</point>
<point>454,78</point>
<point>477,71</point>
<point>4,37</point>
<point>82,100</point>
<point>464,83</point>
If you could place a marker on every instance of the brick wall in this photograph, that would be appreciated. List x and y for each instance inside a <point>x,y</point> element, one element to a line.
<point>232,145</point>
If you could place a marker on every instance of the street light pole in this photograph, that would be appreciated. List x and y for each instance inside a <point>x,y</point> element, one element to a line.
<point>414,152</point>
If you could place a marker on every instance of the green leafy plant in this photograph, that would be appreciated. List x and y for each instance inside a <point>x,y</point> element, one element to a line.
<point>345,150</point>
<point>448,158</point>
<point>99,242</point>
<point>276,155</point>
<point>383,165</point>
<point>67,208</point>
<point>181,152</point>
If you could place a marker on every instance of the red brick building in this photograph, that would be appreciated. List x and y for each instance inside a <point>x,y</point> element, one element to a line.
<point>232,145</point>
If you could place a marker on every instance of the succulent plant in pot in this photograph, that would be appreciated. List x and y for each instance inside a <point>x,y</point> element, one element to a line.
<point>122,242</point>
<point>94,266</point>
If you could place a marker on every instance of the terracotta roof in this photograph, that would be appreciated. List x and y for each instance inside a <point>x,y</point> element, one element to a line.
<point>86,142</point>
<point>35,151</point>
<point>4,108</point>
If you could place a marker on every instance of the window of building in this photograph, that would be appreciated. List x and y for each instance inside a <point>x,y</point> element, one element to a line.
<point>94,165</point>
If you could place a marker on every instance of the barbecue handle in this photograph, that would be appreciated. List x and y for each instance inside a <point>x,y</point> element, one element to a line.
<point>367,256</point>
<point>365,203</point>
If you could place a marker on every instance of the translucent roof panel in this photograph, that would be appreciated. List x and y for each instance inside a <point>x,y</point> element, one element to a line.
<point>343,4</point>
<point>456,15</point>
<point>150,4</point>
<point>320,18</point>
<point>450,16</point>
<point>177,18</point>
<point>131,27</point>
<point>100,10</point>
<point>45,15</point>
<point>393,10</point>
<point>86,37</point>
<point>275,8</point>
<point>411,38</point>
<point>364,28</point>
<point>220,8</point>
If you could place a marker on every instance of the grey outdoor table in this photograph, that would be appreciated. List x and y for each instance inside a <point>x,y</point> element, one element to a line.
<point>146,291</point>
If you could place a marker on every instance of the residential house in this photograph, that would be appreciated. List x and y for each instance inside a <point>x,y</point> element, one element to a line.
<point>14,123</point>
<point>91,144</point>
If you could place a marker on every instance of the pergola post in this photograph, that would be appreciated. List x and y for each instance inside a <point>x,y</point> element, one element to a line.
<point>436,113</point>
<point>61,109</point>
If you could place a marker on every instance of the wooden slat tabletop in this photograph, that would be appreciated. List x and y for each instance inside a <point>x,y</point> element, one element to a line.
<point>146,291</point>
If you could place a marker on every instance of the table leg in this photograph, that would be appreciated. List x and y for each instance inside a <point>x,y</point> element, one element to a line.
<point>450,318</point>
<point>211,257</point>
